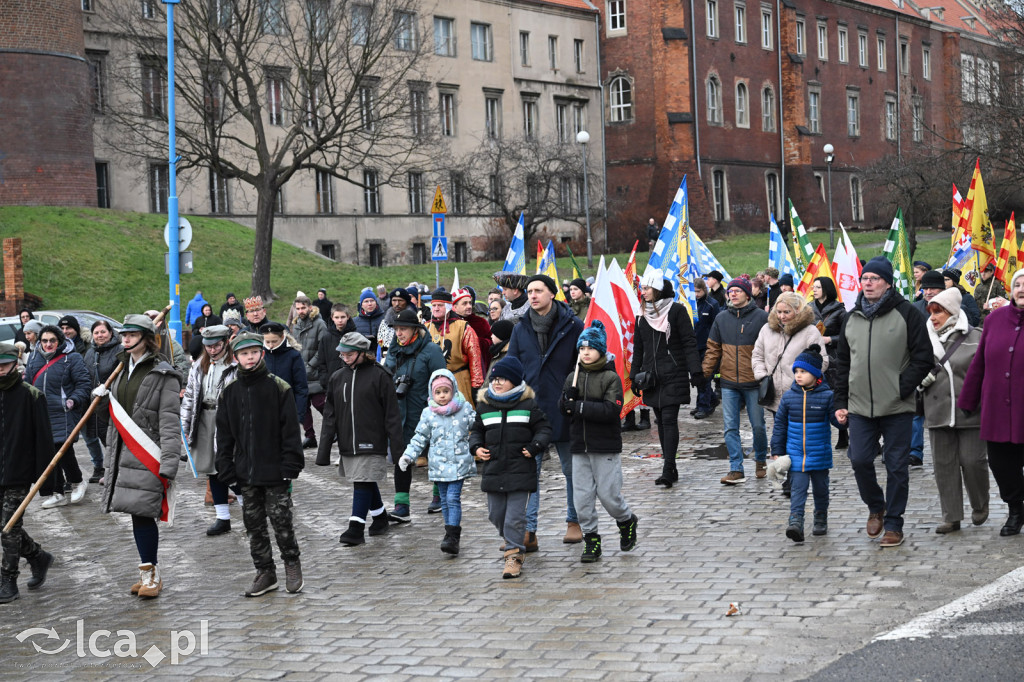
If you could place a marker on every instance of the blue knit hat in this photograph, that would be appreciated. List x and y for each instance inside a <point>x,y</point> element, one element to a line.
<point>594,337</point>
<point>810,360</point>
<point>508,368</point>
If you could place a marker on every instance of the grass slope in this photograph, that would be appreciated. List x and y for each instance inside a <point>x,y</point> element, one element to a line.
<point>112,261</point>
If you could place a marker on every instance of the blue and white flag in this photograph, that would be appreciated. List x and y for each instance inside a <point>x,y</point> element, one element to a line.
<point>515,259</point>
<point>778,253</point>
<point>666,251</point>
<point>703,260</point>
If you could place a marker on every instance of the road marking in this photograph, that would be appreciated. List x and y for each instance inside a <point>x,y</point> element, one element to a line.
<point>985,630</point>
<point>925,625</point>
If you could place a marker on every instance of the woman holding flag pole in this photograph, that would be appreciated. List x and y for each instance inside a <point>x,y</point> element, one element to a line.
<point>143,448</point>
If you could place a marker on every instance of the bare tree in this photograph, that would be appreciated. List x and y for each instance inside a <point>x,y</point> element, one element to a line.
<point>541,178</point>
<point>268,89</point>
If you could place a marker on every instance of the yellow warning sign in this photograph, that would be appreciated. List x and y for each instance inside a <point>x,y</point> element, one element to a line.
<point>438,205</point>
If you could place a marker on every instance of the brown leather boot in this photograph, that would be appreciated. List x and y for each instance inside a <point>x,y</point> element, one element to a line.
<point>573,534</point>
<point>513,563</point>
<point>152,583</point>
<point>530,541</point>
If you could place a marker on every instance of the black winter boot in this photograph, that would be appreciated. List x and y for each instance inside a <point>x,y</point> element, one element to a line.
<point>627,533</point>
<point>591,548</point>
<point>8,588</point>
<point>630,423</point>
<point>820,523</point>
<point>795,530</point>
<point>379,525</point>
<point>645,420</point>
<point>1014,521</point>
<point>354,535</point>
<point>669,474</point>
<point>450,544</point>
<point>39,564</point>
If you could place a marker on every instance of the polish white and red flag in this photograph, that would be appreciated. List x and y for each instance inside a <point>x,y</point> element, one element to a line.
<point>615,304</point>
<point>145,450</point>
<point>846,271</point>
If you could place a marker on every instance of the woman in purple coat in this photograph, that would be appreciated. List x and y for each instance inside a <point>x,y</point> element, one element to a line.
<point>994,382</point>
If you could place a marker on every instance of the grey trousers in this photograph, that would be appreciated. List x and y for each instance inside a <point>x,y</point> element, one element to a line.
<point>598,477</point>
<point>507,511</point>
<point>960,461</point>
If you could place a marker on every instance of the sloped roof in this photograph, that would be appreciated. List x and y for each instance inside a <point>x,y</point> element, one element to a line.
<point>571,4</point>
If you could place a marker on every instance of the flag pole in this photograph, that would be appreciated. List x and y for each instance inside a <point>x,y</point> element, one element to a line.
<point>70,439</point>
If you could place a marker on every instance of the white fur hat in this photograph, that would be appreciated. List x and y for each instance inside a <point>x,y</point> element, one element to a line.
<point>653,278</point>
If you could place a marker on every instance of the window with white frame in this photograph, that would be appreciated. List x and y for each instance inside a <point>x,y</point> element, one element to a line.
<point>768,109</point>
<point>492,116</point>
<point>814,108</point>
<point>317,17</point>
<point>852,114</point>
<point>415,185</point>
<point>616,15</point>
<point>87,6</point>
<point>856,199</point>
<point>822,40</point>
<point>862,50</point>
<point>275,98</point>
<point>801,36</point>
<point>577,54</point>
<point>926,63</point>
<point>149,9</point>
<point>904,56</point>
<point>742,106</point>
<point>917,126</point>
<point>740,19</point>
<point>361,17</point>
<point>311,106</point>
<point>324,193</point>
<point>371,192</point>
<point>481,42</point>
<point>219,199</point>
<point>890,117</point>
<point>405,31</point>
<point>368,106</point>
<point>843,43</point>
<point>620,96</point>
<point>530,131</point>
<point>271,14</point>
<point>720,195</point>
<point>714,97</point>
<point>562,121</point>
<point>579,118</point>
<point>881,53</point>
<point>767,31</point>
<point>711,13</point>
<point>524,48</point>
<point>553,52</point>
<point>444,37</point>
<point>154,88</point>
<point>418,110</point>
<point>159,186</point>
<point>968,81</point>
<point>446,104</point>
<point>566,190</point>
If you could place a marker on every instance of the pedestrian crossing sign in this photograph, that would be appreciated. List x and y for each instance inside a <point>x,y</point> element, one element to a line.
<point>439,248</point>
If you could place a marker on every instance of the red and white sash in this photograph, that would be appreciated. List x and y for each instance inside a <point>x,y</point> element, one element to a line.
<point>145,450</point>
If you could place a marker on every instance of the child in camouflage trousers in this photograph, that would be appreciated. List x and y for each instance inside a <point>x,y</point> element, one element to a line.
<point>259,447</point>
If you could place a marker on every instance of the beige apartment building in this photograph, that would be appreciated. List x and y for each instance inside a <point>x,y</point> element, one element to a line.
<point>490,69</point>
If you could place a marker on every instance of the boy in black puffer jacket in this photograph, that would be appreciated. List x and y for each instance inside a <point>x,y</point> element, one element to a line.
<point>592,399</point>
<point>509,432</point>
<point>259,447</point>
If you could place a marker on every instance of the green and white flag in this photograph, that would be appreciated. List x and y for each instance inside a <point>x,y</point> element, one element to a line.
<point>802,249</point>
<point>897,250</point>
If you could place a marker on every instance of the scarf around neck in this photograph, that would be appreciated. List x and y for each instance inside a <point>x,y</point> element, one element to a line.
<point>656,314</point>
<point>508,396</point>
<point>11,379</point>
<point>542,325</point>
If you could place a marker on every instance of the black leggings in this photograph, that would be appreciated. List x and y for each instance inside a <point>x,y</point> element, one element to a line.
<point>147,538</point>
<point>1006,460</point>
<point>668,431</point>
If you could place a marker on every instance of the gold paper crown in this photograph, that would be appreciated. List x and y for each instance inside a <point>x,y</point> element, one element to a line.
<point>254,303</point>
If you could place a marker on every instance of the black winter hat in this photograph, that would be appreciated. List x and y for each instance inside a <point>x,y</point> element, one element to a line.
<point>508,368</point>
<point>502,329</point>
<point>70,321</point>
<point>953,274</point>
<point>933,280</point>
<point>580,284</point>
<point>407,318</point>
<point>786,280</point>
<point>880,265</point>
<point>400,293</point>
<point>441,294</point>
<point>545,280</point>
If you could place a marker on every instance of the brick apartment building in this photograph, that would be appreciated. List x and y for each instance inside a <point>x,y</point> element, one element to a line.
<point>742,96</point>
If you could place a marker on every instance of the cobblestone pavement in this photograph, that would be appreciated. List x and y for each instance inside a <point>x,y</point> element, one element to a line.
<point>396,608</point>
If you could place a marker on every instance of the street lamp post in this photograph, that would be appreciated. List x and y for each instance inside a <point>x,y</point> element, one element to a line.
<point>829,158</point>
<point>583,137</point>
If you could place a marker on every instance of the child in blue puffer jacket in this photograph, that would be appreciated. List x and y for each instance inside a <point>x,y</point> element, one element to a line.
<point>803,430</point>
<point>444,426</point>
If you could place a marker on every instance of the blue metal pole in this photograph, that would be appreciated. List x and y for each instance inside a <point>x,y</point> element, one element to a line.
<point>174,323</point>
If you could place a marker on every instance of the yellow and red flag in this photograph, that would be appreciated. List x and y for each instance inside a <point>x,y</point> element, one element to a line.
<point>975,218</point>
<point>630,271</point>
<point>817,267</point>
<point>1007,262</point>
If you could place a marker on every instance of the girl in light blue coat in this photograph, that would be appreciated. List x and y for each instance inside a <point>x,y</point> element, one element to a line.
<point>444,427</point>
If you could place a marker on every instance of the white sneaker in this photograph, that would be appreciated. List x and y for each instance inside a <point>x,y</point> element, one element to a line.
<point>78,492</point>
<point>55,500</point>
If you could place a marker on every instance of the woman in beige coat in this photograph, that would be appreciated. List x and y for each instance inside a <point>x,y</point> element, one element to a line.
<point>789,331</point>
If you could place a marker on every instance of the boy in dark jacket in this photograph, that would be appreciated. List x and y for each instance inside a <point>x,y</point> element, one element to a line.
<point>26,445</point>
<point>285,362</point>
<point>259,447</point>
<point>509,432</point>
<point>803,430</point>
<point>592,399</point>
<point>362,411</point>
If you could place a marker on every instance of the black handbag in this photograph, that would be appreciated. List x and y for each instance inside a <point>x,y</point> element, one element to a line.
<point>644,381</point>
<point>766,387</point>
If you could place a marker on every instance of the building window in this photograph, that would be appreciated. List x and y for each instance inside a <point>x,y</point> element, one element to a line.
<point>616,15</point>
<point>376,255</point>
<point>926,63</point>
<point>890,117</point>
<point>159,184</point>
<point>814,109</point>
<point>275,99</point>
<point>856,199</point>
<point>968,86</point>
<point>219,196</point>
<point>415,192</point>
<point>562,121</point>
<point>862,50</point>
<point>766,28</point>
<point>457,181</point>
<point>714,101</point>
<point>371,192</point>
<point>418,111</point>
<point>742,106</point>
<point>768,109</point>
<point>102,185</point>
<point>446,101</point>
<point>852,114</point>
<point>444,37</point>
<point>553,52</point>
<point>988,81</point>
<point>720,196</point>
<point>620,93</point>
<point>577,55</point>
<point>918,122</point>
<point>149,9</point>
<point>419,253</point>
<point>461,252</point>
<point>213,95</point>
<point>154,89</point>
<point>740,12</point>
<point>801,37</point>
<point>524,48</point>
<point>405,31</point>
<point>329,250</point>
<point>317,17</point>
<point>87,6</point>
<point>492,116</point>
<point>579,118</point>
<point>361,17</point>
<point>530,119</point>
<point>822,41</point>
<point>566,190</point>
<point>97,80</point>
<point>881,53</point>
<point>312,106</point>
<point>272,17</point>
<point>480,42</point>
<point>771,182</point>
<point>820,180</point>
<point>324,193</point>
<point>844,45</point>
<point>904,56</point>
<point>367,107</point>
<point>712,18</point>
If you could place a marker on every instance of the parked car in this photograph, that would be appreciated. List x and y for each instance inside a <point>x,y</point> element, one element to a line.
<point>10,325</point>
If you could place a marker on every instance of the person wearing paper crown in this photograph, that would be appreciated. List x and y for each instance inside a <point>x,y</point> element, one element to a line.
<point>144,447</point>
<point>665,364</point>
